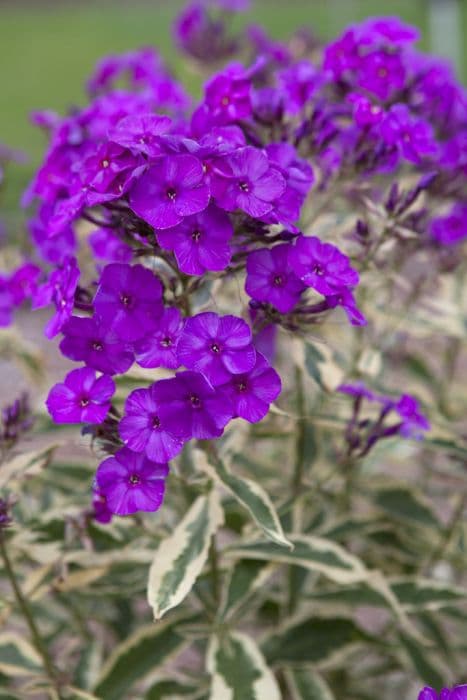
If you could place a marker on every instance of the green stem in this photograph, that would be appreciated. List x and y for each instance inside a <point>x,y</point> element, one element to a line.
<point>28,616</point>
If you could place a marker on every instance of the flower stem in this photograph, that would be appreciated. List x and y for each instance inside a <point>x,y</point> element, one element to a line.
<point>38,642</point>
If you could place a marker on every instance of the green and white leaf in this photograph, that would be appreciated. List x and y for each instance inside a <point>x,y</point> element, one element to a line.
<point>420,659</point>
<point>170,689</point>
<point>313,553</point>
<point>321,365</point>
<point>246,577</point>
<point>404,503</point>
<point>313,640</point>
<point>238,670</point>
<point>25,464</point>
<point>17,656</point>
<point>248,493</point>
<point>180,558</point>
<point>137,656</point>
<point>306,684</point>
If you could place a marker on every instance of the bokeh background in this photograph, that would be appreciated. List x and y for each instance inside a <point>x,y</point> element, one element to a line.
<point>48,48</point>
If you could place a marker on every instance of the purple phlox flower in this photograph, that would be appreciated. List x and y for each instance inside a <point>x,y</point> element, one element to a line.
<point>128,300</point>
<point>450,229</point>
<point>141,133</point>
<point>414,423</point>
<point>346,300</point>
<point>268,105</point>
<point>457,693</point>
<point>412,136</point>
<point>81,398</point>
<point>206,410</point>
<point>264,339</point>
<point>454,154</point>
<point>6,303</point>
<point>322,266</point>
<point>109,173</point>
<point>100,509</point>
<point>86,340</point>
<point>204,35</point>
<point>140,66</point>
<point>59,289</point>
<point>54,249</point>
<point>221,140</point>
<point>152,425</point>
<point>265,46</point>
<point>299,178</point>
<point>252,393</point>
<point>23,282</point>
<point>382,73</point>
<point>130,483</point>
<point>271,279</point>
<point>246,180</point>
<point>159,349</point>
<point>389,30</point>
<point>428,694</point>
<point>216,346</point>
<point>366,113</point>
<point>200,242</point>
<point>227,95</point>
<point>170,190</point>
<point>342,54</point>
<point>299,82</point>
<point>106,245</point>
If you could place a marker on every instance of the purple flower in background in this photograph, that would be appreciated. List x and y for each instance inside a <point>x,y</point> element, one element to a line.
<point>86,340</point>
<point>414,423</point>
<point>6,303</point>
<point>413,136</point>
<point>56,249</point>
<point>457,693</point>
<point>152,425</point>
<point>271,279</point>
<point>106,245</point>
<point>140,133</point>
<point>227,98</point>
<point>246,180</point>
<point>366,113</point>
<point>81,398</point>
<point>382,73</point>
<point>101,512</point>
<point>346,300</point>
<point>252,393</point>
<point>200,242</point>
<point>299,82</point>
<point>128,300</point>
<point>216,346</point>
<point>109,172</point>
<point>450,229</point>
<point>170,190</point>
<point>205,409</point>
<point>23,282</point>
<point>357,389</point>
<point>299,177</point>
<point>59,289</point>
<point>130,483</point>
<point>322,266</point>
<point>159,349</point>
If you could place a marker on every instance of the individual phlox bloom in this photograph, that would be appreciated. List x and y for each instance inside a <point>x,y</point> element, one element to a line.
<point>322,265</point>
<point>271,279</point>
<point>56,249</point>
<point>366,113</point>
<point>101,512</point>
<point>85,339</point>
<point>106,245</point>
<point>450,229</point>
<point>108,172</point>
<point>23,282</point>
<point>206,410</point>
<point>299,82</point>
<point>413,136</point>
<point>81,397</point>
<point>170,190</point>
<point>128,300</point>
<point>252,393</point>
<point>159,349</point>
<point>389,30</point>
<point>458,693</point>
<point>342,55</point>
<point>140,133</point>
<point>200,242</point>
<point>382,73</point>
<point>152,425</point>
<point>60,290</point>
<point>414,423</point>
<point>227,95</point>
<point>216,346</point>
<point>130,482</point>
<point>246,180</point>
<point>346,300</point>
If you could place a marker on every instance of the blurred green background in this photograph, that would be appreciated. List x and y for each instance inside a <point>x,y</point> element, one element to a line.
<point>47,49</point>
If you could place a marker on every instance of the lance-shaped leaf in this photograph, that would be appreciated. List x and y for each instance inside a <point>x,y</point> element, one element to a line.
<point>238,670</point>
<point>25,464</point>
<point>313,553</point>
<point>136,657</point>
<point>169,689</point>
<point>313,640</point>
<point>17,656</point>
<point>247,492</point>
<point>404,503</point>
<point>246,577</point>
<point>306,684</point>
<point>429,672</point>
<point>180,558</point>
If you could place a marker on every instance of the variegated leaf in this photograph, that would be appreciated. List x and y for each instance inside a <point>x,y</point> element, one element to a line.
<point>306,684</point>
<point>17,656</point>
<point>25,464</point>
<point>239,670</point>
<point>180,558</point>
<point>247,492</point>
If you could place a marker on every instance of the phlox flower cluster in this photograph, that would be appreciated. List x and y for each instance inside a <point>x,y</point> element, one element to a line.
<point>459,692</point>
<point>175,195</point>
